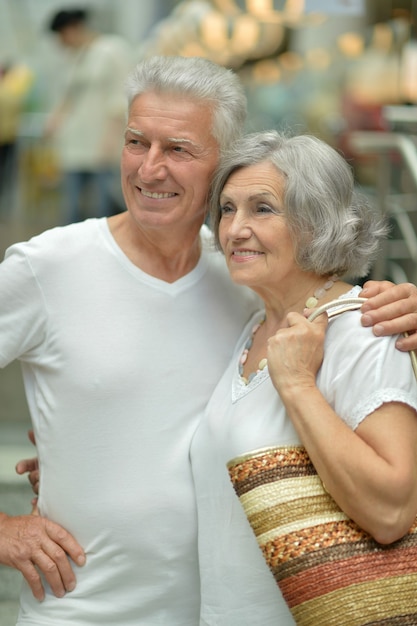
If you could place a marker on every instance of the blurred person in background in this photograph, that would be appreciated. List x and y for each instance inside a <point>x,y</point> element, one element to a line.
<point>86,126</point>
<point>15,83</point>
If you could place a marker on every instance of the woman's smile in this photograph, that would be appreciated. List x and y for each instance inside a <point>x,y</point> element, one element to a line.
<point>245,254</point>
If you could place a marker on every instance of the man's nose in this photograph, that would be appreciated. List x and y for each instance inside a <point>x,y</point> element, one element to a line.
<point>153,166</point>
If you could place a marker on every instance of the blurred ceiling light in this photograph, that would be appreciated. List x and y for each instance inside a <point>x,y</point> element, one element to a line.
<point>276,10</point>
<point>260,7</point>
<point>291,61</point>
<point>267,71</point>
<point>318,58</point>
<point>294,9</point>
<point>382,37</point>
<point>264,10</point>
<point>232,40</point>
<point>271,38</point>
<point>246,32</point>
<point>351,44</point>
<point>408,75</point>
<point>228,7</point>
<point>213,30</point>
<point>192,49</point>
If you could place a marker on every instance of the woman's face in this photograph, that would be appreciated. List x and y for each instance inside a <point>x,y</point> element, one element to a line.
<point>253,230</point>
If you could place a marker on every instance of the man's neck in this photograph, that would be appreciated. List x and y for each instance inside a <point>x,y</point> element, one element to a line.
<point>167,258</point>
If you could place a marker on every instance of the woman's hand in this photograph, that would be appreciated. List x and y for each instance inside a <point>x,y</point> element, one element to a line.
<point>295,353</point>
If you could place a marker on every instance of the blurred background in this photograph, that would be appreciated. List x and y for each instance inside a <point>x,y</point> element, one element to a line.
<point>345,70</point>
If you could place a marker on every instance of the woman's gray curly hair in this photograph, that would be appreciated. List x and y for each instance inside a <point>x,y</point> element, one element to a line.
<point>334,229</point>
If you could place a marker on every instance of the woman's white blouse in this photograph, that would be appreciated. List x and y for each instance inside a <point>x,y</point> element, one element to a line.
<point>359,373</point>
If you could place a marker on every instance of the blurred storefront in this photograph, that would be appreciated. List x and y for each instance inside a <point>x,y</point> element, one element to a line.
<point>330,67</point>
<point>32,204</point>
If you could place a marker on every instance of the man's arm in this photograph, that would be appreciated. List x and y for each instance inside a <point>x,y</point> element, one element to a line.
<point>390,310</point>
<point>34,545</point>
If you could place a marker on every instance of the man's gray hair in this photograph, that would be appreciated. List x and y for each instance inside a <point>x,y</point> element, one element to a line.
<point>199,79</point>
<point>334,228</point>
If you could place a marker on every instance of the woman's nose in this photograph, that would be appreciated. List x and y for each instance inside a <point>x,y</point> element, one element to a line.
<point>239,227</point>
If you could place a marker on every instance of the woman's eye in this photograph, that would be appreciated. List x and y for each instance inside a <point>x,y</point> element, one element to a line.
<point>267,208</point>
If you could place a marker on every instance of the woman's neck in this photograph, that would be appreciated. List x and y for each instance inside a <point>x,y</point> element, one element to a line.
<point>322,290</point>
<point>306,291</point>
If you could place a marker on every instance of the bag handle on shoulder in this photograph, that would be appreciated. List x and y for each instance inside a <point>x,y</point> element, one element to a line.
<point>343,304</point>
<point>351,304</point>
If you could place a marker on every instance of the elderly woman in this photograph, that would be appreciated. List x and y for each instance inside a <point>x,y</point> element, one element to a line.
<point>290,228</point>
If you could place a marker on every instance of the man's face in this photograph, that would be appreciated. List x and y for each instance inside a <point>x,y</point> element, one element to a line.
<point>168,160</point>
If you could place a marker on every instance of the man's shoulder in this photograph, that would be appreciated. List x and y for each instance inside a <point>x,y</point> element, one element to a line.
<point>57,241</point>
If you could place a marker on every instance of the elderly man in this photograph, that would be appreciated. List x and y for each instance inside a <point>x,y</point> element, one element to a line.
<point>123,327</point>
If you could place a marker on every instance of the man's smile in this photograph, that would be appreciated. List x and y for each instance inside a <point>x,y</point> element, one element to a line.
<point>156,195</point>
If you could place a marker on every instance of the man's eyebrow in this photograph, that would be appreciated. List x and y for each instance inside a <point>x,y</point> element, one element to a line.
<point>179,140</point>
<point>134,131</point>
<point>196,147</point>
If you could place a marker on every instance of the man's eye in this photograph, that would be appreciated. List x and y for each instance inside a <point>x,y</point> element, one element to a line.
<point>136,146</point>
<point>226,208</point>
<point>133,142</point>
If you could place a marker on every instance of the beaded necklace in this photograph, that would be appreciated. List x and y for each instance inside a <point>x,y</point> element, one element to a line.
<point>311,303</point>
<point>244,356</point>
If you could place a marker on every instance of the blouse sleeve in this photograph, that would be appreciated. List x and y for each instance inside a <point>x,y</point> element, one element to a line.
<point>360,372</point>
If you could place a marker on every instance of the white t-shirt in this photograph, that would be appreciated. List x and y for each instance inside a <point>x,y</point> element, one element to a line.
<point>118,367</point>
<point>359,373</point>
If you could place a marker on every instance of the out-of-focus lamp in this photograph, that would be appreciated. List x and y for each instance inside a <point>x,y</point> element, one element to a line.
<point>408,77</point>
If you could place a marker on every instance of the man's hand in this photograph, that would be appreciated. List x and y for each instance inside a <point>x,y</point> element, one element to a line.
<point>33,544</point>
<point>391,309</point>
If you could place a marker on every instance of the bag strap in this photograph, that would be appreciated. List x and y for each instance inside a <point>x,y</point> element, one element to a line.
<point>351,304</point>
<point>343,304</point>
